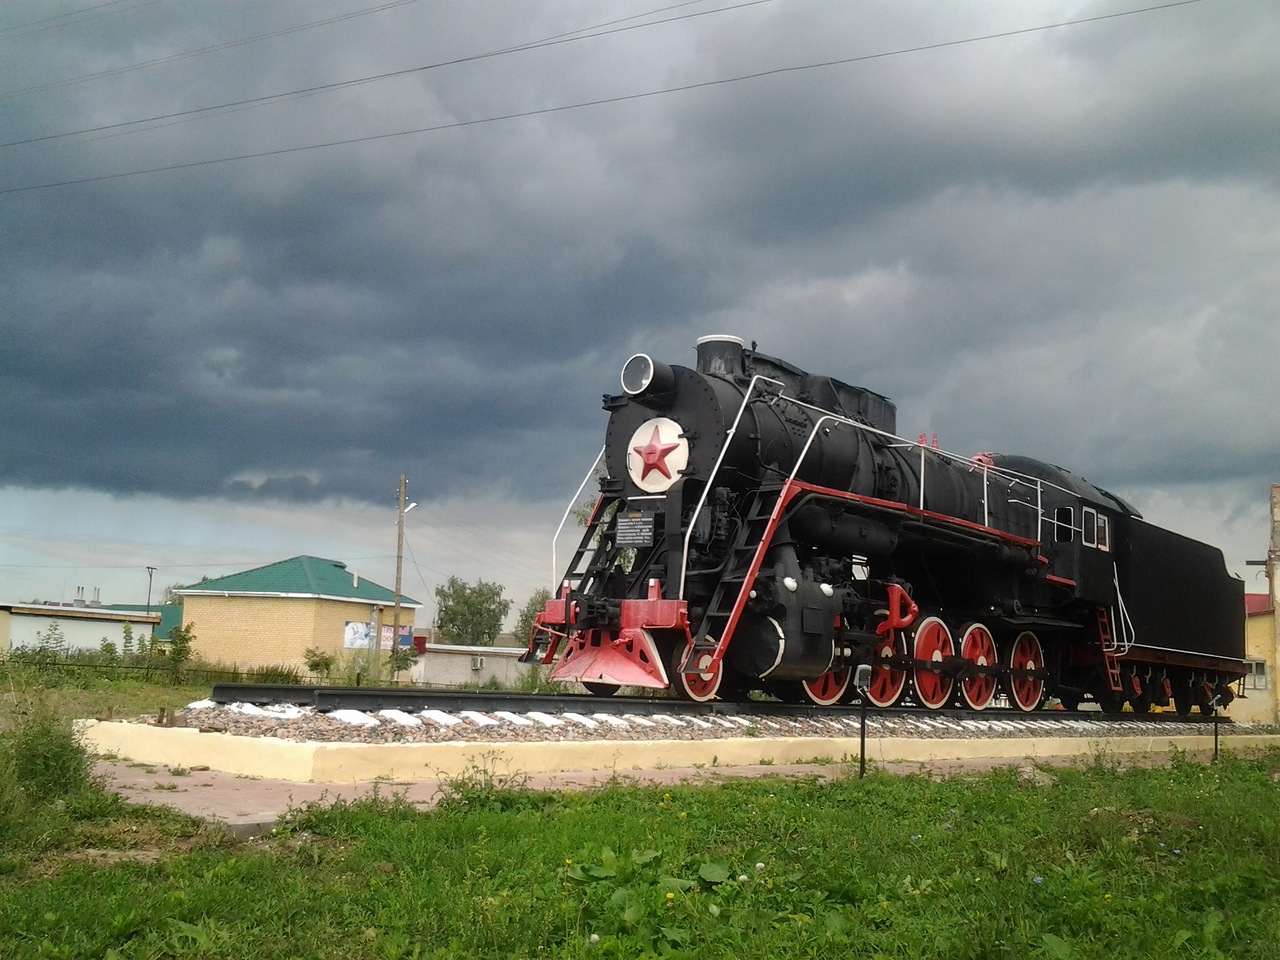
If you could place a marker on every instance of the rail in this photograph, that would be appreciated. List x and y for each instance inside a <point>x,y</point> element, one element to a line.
<point>1033,482</point>
<point>1127,633</point>
<point>1036,484</point>
<point>555,569</point>
<point>715,469</point>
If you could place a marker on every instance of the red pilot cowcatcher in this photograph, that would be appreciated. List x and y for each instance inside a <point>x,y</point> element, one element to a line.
<point>626,656</point>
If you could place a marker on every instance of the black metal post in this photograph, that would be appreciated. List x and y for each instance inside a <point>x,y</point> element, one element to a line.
<point>862,738</point>
<point>1215,733</point>
<point>862,682</point>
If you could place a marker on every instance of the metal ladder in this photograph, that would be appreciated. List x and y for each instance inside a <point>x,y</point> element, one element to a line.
<point>1109,650</point>
<point>740,569</point>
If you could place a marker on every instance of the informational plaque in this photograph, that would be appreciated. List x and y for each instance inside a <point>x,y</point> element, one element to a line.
<point>634,530</point>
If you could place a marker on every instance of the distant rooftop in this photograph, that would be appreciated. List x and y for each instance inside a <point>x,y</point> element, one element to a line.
<point>82,611</point>
<point>170,614</point>
<point>311,577</point>
<point>1255,603</point>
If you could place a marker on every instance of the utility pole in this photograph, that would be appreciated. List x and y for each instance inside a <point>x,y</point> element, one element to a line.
<point>1273,580</point>
<point>395,619</point>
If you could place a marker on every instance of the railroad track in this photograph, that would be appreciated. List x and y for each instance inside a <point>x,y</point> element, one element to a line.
<point>754,718</point>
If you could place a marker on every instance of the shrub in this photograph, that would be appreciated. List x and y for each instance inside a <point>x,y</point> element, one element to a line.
<point>42,754</point>
<point>274,673</point>
<point>319,662</point>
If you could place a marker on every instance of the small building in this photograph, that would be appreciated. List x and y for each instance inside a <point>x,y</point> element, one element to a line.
<point>72,628</point>
<point>1258,703</point>
<point>450,665</point>
<point>272,615</point>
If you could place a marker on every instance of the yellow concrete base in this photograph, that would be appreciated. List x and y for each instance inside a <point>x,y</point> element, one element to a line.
<point>352,762</point>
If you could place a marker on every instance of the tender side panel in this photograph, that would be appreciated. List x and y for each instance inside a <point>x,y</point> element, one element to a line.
<point>1179,595</point>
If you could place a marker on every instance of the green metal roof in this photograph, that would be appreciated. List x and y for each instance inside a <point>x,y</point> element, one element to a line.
<point>300,577</point>
<point>170,614</point>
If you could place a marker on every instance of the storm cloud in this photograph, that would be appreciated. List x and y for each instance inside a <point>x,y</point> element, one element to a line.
<point>1053,240</point>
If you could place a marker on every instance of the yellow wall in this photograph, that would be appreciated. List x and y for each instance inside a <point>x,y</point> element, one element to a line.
<point>264,631</point>
<point>4,631</point>
<point>1259,706</point>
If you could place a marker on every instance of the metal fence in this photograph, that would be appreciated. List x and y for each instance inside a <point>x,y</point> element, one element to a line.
<point>150,670</point>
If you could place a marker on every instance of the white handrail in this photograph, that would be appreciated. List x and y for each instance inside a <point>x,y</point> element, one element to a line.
<point>715,469</point>
<point>922,449</point>
<point>555,569</point>
<point>1014,475</point>
<point>1038,484</point>
<point>1125,624</point>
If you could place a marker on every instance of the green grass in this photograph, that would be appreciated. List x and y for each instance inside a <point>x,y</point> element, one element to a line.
<point>1178,862</point>
<point>87,695</point>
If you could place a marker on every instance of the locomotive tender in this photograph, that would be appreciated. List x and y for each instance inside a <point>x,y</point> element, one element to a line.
<point>760,527</point>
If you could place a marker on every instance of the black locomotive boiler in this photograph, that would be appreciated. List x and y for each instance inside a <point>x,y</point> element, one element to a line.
<point>760,527</point>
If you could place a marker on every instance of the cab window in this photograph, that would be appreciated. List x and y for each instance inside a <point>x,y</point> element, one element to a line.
<point>1064,525</point>
<point>1104,533</point>
<point>1089,527</point>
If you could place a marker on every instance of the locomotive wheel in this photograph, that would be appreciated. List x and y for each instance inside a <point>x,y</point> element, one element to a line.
<point>828,689</point>
<point>1026,654</point>
<point>1111,702</point>
<point>933,644</point>
<point>979,647</point>
<point>597,689</point>
<point>887,682</point>
<point>1183,698</point>
<point>698,687</point>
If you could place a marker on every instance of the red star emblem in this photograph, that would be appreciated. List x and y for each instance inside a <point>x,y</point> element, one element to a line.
<point>654,454</point>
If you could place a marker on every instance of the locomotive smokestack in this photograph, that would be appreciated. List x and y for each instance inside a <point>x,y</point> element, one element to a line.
<point>720,356</point>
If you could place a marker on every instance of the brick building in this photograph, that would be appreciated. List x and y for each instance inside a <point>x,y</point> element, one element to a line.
<point>1259,686</point>
<point>271,615</point>
<point>1262,636</point>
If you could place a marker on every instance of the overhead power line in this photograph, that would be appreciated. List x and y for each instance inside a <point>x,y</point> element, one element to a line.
<point>603,101</point>
<point>175,57</point>
<point>74,16</point>
<point>199,113</point>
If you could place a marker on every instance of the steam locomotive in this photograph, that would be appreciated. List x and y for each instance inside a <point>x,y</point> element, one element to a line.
<point>762,528</point>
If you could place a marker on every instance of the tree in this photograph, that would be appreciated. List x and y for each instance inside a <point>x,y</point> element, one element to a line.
<point>401,658</point>
<point>170,594</point>
<point>470,615</point>
<point>318,662</point>
<point>524,619</point>
<point>180,641</point>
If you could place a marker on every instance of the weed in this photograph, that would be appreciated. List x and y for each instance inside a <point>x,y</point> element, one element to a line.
<point>488,784</point>
<point>43,757</point>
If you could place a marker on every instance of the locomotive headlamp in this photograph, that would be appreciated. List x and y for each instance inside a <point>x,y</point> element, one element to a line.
<point>644,375</point>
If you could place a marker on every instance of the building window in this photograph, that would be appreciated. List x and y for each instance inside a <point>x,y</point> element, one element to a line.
<point>1255,677</point>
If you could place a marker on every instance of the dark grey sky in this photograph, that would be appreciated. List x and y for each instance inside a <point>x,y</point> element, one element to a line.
<point>1057,242</point>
